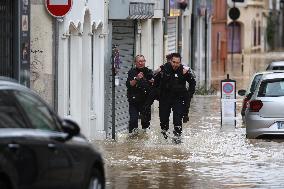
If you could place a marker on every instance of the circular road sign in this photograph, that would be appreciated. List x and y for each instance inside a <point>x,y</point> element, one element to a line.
<point>234,13</point>
<point>228,88</point>
<point>58,8</point>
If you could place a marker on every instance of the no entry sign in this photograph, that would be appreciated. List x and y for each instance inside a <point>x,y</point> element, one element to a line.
<point>58,8</point>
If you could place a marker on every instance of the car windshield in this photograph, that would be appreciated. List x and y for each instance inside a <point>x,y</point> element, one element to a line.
<point>272,88</point>
<point>10,114</point>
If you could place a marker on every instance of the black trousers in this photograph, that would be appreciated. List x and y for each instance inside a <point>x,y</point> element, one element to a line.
<point>167,104</point>
<point>187,104</point>
<point>136,108</point>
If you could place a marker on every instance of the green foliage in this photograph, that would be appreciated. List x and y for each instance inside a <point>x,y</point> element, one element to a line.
<point>203,91</point>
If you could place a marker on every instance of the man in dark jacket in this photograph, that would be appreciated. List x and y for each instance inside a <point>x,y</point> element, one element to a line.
<point>139,84</point>
<point>173,93</point>
<point>190,92</point>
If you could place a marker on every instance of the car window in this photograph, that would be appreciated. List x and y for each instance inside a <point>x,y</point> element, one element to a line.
<point>278,68</point>
<point>255,82</point>
<point>10,114</point>
<point>38,113</point>
<point>272,88</point>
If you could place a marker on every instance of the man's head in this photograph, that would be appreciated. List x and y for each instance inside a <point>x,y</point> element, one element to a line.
<point>140,61</point>
<point>176,60</point>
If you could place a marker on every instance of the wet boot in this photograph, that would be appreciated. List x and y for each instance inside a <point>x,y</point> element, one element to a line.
<point>177,136</point>
<point>165,134</point>
<point>185,119</point>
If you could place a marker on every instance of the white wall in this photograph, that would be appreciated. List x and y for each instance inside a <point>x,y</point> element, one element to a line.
<point>42,80</point>
<point>84,23</point>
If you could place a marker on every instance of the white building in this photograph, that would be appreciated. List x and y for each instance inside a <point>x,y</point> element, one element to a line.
<point>81,57</point>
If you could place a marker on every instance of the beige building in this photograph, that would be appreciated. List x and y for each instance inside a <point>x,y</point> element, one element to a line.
<point>249,33</point>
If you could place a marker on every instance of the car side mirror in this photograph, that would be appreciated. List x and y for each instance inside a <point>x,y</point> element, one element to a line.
<point>71,128</point>
<point>242,92</point>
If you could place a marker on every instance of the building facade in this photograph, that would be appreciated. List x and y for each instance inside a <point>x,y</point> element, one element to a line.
<point>201,44</point>
<point>249,30</point>
<point>80,62</point>
<point>81,39</point>
<point>15,40</point>
<point>219,41</point>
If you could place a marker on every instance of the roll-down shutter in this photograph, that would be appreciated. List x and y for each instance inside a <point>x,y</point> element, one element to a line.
<point>123,36</point>
<point>172,35</point>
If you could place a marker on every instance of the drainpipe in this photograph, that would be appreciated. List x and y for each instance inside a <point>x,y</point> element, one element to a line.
<point>205,51</point>
<point>166,10</point>
<point>55,64</point>
<point>180,32</point>
<point>192,27</point>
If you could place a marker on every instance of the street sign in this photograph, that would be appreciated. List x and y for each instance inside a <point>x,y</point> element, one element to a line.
<point>234,13</point>
<point>228,102</point>
<point>58,8</point>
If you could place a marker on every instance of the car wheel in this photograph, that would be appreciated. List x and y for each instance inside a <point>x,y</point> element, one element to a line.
<point>96,180</point>
<point>3,185</point>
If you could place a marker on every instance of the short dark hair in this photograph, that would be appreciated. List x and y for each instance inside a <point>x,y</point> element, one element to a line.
<point>177,55</point>
<point>169,56</point>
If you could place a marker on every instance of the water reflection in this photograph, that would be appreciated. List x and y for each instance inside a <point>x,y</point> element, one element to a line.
<point>209,157</point>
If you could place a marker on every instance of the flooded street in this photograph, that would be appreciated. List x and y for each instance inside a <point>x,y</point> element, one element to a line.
<point>209,156</point>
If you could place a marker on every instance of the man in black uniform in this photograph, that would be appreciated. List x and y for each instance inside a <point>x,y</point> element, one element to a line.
<point>190,92</point>
<point>173,93</point>
<point>139,84</point>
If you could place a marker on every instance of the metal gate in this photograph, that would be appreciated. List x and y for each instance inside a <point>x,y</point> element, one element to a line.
<point>123,36</point>
<point>172,35</point>
<point>8,46</point>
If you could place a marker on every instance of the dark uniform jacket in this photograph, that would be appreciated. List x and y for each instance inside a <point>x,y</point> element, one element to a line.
<point>173,82</point>
<point>140,91</point>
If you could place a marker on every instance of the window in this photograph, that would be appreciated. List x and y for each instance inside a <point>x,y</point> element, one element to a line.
<point>10,114</point>
<point>272,88</point>
<point>259,33</point>
<point>254,32</point>
<point>37,112</point>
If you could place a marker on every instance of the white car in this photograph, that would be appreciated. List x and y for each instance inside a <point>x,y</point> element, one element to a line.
<point>250,90</point>
<point>264,115</point>
<point>276,65</point>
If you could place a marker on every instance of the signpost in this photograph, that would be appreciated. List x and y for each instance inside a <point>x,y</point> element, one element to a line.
<point>58,8</point>
<point>228,102</point>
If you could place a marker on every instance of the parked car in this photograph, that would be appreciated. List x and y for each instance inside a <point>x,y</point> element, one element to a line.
<point>276,65</point>
<point>264,115</point>
<point>251,89</point>
<point>39,150</point>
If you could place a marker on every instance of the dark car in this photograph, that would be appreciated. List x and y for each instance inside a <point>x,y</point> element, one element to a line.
<point>38,150</point>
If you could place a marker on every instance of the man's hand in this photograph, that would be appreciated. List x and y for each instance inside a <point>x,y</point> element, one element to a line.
<point>140,75</point>
<point>184,71</point>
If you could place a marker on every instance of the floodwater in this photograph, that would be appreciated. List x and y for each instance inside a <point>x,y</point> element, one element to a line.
<point>210,156</point>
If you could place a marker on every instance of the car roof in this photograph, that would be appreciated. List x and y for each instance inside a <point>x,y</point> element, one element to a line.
<point>273,75</point>
<point>6,82</point>
<point>268,72</point>
<point>277,63</point>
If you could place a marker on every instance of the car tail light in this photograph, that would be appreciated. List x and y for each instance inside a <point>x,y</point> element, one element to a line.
<point>255,105</point>
<point>245,103</point>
